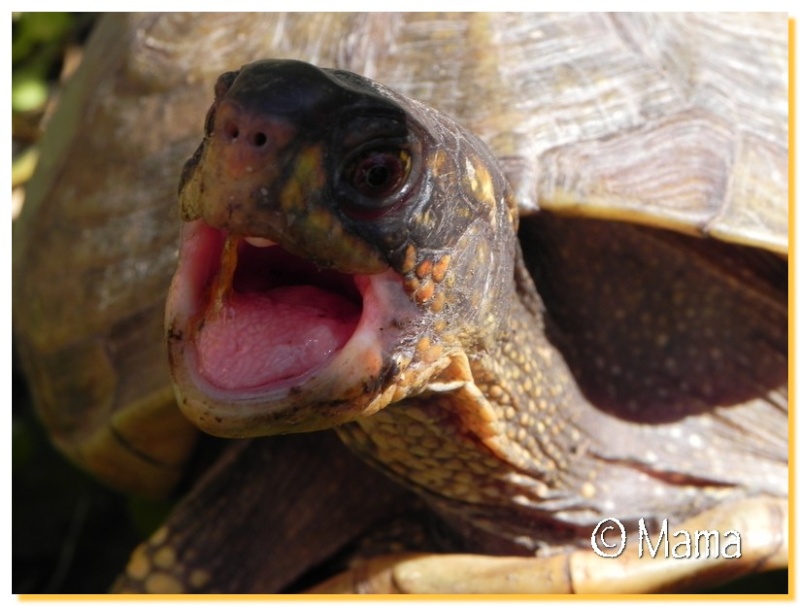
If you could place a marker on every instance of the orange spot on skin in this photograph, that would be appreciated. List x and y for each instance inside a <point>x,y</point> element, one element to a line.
<point>438,302</point>
<point>411,285</point>
<point>424,269</point>
<point>424,293</point>
<point>423,344</point>
<point>433,353</point>
<point>410,260</point>
<point>440,268</point>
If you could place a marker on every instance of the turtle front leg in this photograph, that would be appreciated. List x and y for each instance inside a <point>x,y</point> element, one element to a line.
<point>264,515</point>
<point>761,524</point>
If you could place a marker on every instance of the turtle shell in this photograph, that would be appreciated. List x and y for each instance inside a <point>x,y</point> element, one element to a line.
<point>672,120</point>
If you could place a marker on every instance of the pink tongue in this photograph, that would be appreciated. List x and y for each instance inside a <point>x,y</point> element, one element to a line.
<point>262,338</point>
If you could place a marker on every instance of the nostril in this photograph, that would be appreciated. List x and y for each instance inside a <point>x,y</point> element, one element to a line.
<point>231,130</point>
<point>258,139</point>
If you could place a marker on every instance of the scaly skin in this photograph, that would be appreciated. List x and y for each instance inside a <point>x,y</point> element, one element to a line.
<point>469,393</point>
<point>519,453</point>
<point>438,262</point>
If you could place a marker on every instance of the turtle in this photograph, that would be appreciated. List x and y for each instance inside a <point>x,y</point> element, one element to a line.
<point>562,309</point>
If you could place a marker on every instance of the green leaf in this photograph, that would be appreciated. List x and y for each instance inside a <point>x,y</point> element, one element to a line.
<point>28,92</point>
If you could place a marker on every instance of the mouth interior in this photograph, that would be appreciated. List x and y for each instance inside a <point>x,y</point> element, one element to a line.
<point>273,319</point>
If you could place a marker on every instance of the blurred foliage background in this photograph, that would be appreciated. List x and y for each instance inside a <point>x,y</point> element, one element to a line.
<point>45,51</point>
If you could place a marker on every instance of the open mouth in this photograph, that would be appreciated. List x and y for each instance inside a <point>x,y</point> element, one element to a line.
<point>260,317</point>
<point>262,341</point>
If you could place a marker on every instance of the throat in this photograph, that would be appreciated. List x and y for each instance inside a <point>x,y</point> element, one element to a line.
<point>479,452</point>
<point>608,395</point>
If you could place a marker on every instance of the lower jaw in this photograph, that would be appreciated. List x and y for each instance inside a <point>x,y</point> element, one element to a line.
<point>226,370</point>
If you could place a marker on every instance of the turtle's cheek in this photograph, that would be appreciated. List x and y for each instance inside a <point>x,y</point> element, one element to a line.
<point>274,344</point>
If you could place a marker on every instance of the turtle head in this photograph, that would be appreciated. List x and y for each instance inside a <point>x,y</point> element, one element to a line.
<point>343,247</point>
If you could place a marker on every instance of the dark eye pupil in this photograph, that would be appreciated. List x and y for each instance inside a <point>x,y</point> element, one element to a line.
<point>378,173</point>
<point>377,176</point>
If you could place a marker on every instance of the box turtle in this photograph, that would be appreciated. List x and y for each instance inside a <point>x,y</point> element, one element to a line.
<point>551,312</point>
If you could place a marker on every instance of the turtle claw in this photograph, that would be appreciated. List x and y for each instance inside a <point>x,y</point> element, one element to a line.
<point>762,524</point>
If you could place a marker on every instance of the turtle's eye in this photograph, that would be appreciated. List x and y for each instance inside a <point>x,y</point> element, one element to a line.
<point>376,174</point>
<point>374,179</point>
